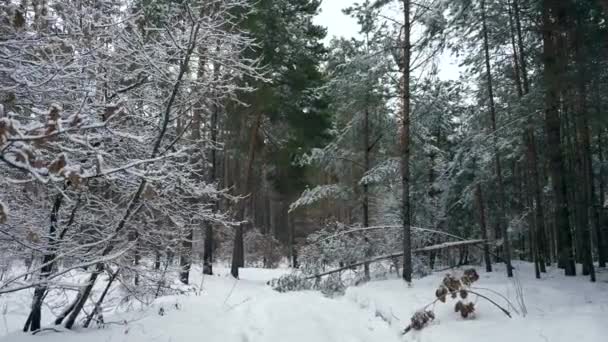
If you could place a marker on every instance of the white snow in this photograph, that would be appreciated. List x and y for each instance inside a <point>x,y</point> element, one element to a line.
<point>559,309</point>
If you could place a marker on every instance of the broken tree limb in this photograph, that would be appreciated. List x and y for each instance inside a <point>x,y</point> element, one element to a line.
<point>380,258</point>
<point>414,228</point>
<point>449,245</point>
<point>444,245</point>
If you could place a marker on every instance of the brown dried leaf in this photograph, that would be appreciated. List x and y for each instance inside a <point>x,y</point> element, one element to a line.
<point>75,121</point>
<point>149,193</point>
<point>459,306</point>
<point>421,318</point>
<point>471,275</point>
<point>54,113</point>
<point>74,179</point>
<point>32,236</point>
<point>441,293</point>
<point>6,130</point>
<point>57,165</point>
<point>452,283</point>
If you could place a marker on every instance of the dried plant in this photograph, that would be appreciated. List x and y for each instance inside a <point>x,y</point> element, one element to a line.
<point>454,286</point>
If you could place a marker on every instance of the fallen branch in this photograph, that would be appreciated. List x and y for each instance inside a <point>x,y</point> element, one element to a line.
<point>414,228</point>
<point>380,258</point>
<point>396,255</point>
<point>47,329</point>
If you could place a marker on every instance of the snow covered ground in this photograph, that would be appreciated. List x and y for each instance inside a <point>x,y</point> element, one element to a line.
<point>559,309</point>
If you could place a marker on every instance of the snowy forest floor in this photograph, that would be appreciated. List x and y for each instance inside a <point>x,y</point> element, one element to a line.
<point>248,310</point>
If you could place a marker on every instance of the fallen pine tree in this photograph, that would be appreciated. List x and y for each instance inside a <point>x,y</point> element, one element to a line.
<point>445,245</point>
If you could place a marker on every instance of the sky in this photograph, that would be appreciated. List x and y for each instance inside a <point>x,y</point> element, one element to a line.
<point>338,24</point>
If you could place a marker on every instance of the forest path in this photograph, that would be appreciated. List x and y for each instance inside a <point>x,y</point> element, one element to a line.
<point>308,316</point>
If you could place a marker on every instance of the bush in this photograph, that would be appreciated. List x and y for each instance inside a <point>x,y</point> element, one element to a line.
<point>290,282</point>
<point>332,285</point>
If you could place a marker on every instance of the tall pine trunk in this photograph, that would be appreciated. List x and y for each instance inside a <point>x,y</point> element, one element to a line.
<point>405,146</point>
<point>208,242</point>
<point>238,248</point>
<point>584,153</point>
<point>482,226</point>
<point>365,204</point>
<point>497,161</point>
<point>531,151</point>
<point>601,215</point>
<point>551,77</point>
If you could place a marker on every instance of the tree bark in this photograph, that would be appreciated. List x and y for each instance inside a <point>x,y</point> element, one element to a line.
<point>405,146</point>
<point>292,248</point>
<point>48,261</point>
<point>532,154</point>
<point>365,204</point>
<point>238,249</point>
<point>482,226</point>
<point>552,79</point>
<point>185,257</point>
<point>584,153</point>
<point>516,58</point>
<point>601,216</point>
<point>208,243</point>
<point>100,300</point>
<point>534,250</point>
<point>497,161</point>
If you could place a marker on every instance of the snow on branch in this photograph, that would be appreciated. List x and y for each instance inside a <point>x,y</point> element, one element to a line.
<point>310,196</point>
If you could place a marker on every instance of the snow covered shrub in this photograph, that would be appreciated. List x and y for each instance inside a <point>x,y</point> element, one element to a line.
<point>421,319</point>
<point>290,282</point>
<point>338,246</point>
<point>262,249</point>
<point>332,285</point>
<point>420,267</point>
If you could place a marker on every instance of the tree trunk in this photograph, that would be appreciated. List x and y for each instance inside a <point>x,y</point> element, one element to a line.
<point>522,52</point>
<point>238,249</point>
<point>600,220</point>
<point>552,80</point>
<point>185,257</point>
<point>48,261</point>
<point>292,248</point>
<point>405,147</point>
<point>365,204</point>
<point>534,251</point>
<point>584,153</point>
<point>482,226</point>
<point>498,168</point>
<point>97,307</point>
<point>516,58</point>
<point>532,154</point>
<point>208,243</point>
<point>156,260</point>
